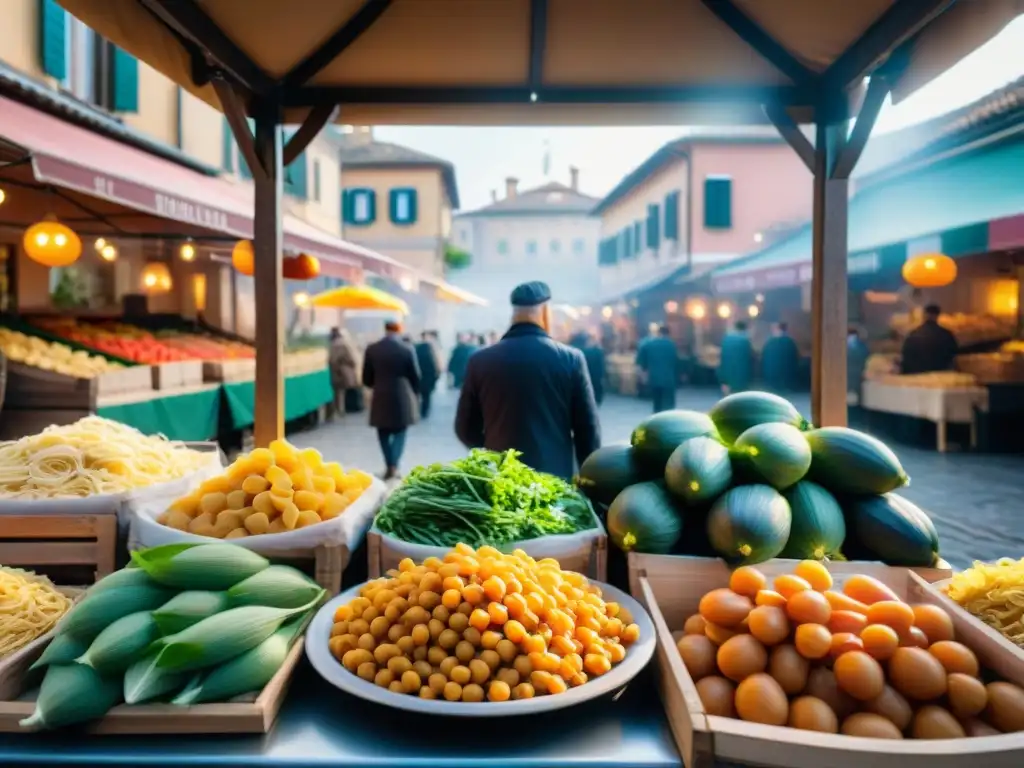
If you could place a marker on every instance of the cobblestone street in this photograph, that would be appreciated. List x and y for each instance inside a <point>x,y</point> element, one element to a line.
<point>976,500</point>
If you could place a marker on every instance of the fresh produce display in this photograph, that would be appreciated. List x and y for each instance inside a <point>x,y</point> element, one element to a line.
<point>269,490</point>
<point>479,625</point>
<point>124,341</point>
<point>487,498</point>
<point>205,347</point>
<point>804,652</point>
<point>91,456</point>
<point>30,606</point>
<point>188,623</point>
<point>994,593</point>
<point>53,356</point>
<point>752,480</point>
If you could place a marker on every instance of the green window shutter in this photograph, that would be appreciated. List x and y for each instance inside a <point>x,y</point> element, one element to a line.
<point>653,226</point>
<point>124,73</point>
<point>295,183</point>
<point>227,147</point>
<point>672,216</point>
<point>346,207</point>
<point>638,236</point>
<point>717,202</point>
<point>402,205</point>
<point>53,24</point>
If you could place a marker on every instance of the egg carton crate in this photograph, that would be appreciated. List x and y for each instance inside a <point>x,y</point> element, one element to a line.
<point>671,587</point>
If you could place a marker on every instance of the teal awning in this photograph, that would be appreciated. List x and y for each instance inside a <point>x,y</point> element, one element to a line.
<point>952,196</point>
<point>189,416</point>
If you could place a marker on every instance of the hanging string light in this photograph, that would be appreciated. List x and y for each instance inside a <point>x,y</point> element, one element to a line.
<point>108,252</point>
<point>187,252</point>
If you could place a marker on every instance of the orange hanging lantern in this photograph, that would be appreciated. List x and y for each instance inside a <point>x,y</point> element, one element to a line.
<point>242,257</point>
<point>156,278</point>
<point>51,244</point>
<point>301,267</point>
<point>929,270</point>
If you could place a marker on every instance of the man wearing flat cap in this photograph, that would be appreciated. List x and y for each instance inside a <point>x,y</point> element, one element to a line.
<point>390,369</point>
<point>530,393</point>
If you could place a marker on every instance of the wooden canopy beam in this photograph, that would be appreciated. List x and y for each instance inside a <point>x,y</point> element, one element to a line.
<point>847,159</point>
<point>315,121</point>
<point>234,113</point>
<point>791,132</point>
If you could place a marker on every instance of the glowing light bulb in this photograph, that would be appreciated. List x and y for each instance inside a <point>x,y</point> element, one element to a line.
<point>187,252</point>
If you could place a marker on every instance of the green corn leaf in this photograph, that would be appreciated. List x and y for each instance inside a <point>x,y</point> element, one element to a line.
<point>72,693</point>
<point>97,612</point>
<point>223,636</point>
<point>62,649</point>
<point>199,566</point>
<point>144,681</point>
<point>188,608</point>
<point>126,577</point>
<point>279,586</point>
<point>121,644</point>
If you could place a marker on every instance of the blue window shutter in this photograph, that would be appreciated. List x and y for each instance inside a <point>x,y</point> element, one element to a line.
<point>717,203</point>
<point>372,206</point>
<point>227,147</point>
<point>672,216</point>
<point>295,182</point>
<point>638,236</point>
<point>125,79</point>
<point>653,226</point>
<point>53,23</point>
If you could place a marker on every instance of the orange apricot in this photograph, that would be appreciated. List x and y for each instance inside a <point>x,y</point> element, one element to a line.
<point>844,642</point>
<point>815,574</point>
<point>868,589</point>
<point>770,597</point>
<point>892,613</point>
<point>934,622</point>
<point>748,581</point>
<point>788,585</point>
<point>808,607</point>
<point>841,602</point>
<point>880,641</point>
<point>847,621</point>
<point>813,641</point>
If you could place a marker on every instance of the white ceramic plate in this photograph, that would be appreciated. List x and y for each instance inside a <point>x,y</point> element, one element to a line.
<point>332,671</point>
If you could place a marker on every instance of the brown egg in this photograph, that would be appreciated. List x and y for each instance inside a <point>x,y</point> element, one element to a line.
<point>955,657</point>
<point>974,728</point>
<point>698,655</point>
<point>724,607</point>
<point>809,607</point>
<point>869,726</point>
<point>1005,709</point>
<point>821,683</point>
<point>768,624</point>
<point>810,714</point>
<point>967,695</point>
<point>931,722</point>
<point>716,694</point>
<point>917,674</point>
<point>741,656</point>
<point>892,706</point>
<point>694,625</point>
<point>934,622</point>
<point>759,699</point>
<point>788,668</point>
<point>859,675</point>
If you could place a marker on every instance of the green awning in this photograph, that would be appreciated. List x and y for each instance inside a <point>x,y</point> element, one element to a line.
<point>302,395</point>
<point>955,194</point>
<point>191,416</point>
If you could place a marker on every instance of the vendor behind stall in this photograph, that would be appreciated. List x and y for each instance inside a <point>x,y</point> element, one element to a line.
<point>736,369</point>
<point>929,347</point>
<point>780,361</point>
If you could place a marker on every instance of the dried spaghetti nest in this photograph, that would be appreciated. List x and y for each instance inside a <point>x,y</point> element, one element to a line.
<point>994,593</point>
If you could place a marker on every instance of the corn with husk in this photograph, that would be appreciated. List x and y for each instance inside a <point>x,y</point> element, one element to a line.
<point>62,649</point>
<point>199,566</point>
<point>97,612</point>
<point>222,637</point>
<point>144,681</point>
<point>72,693</point>
<point>280,586</point>
<point>122,643</point>
<point>188,608</point>
<point>126,577</point>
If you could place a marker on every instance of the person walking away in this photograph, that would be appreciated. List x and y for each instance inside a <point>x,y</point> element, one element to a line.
<point>594,355</point>
<point>658,358</point>
<point>929,347</point>
<point>341,361</point>
<point>426,358</point>
<point>736,368</point>
<point>391,371</point>
<point>458,360</point>
<point>780,361</point>
<point>856,361</point>
<point>530,393</point>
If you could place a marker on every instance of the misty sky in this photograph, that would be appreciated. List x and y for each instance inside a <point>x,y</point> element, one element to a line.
<point>483,157</point>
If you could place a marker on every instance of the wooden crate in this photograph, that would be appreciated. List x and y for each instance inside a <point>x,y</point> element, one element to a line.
<point>671,588</point>
<point>253,715</point>
<point>590,559</point>
<point>229,370</point>
<point>178,375</point>
<point>54,540</point>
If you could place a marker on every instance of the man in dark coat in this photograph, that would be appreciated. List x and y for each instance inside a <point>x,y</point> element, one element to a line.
<point>530,393</point>
<point>929,347</point>
<point>780,361</point>
<point>391,371</point>
<point>658,358</point>
<point>426,357</point>
<point>458,360</point>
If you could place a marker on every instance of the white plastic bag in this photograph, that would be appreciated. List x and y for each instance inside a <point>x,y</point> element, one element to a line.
<point>162,494</point>
<point>348,528</point>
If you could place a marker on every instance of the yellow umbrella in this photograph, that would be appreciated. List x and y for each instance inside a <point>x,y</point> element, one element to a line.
<point>359,297</point>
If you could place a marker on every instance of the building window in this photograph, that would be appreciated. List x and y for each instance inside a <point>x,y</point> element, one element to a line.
<point>316,181</point>
<point>718,202</point>
<point>579,245</point>
<point>653,226</point>
<point>503,247</point>
<point>87,65</point>
<point>403,205</point>
<point>556,246</point>
<point>638,236</point>
<point>360,206</point>
<point>672,216</point>
<point>531,247</point>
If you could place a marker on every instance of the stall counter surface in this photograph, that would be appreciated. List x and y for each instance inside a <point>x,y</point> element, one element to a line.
<point>321,726</point>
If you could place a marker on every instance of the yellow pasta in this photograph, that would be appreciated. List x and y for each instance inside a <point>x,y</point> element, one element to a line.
<point>92,456</point>
<point>30,606</point>
<point>993,592</point>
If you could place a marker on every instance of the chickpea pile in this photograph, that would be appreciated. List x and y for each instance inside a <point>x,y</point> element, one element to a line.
<point>480,625</point>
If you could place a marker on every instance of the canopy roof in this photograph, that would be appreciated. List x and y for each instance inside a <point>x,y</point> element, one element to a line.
<point>359,297</point>
<point>546,61</point>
